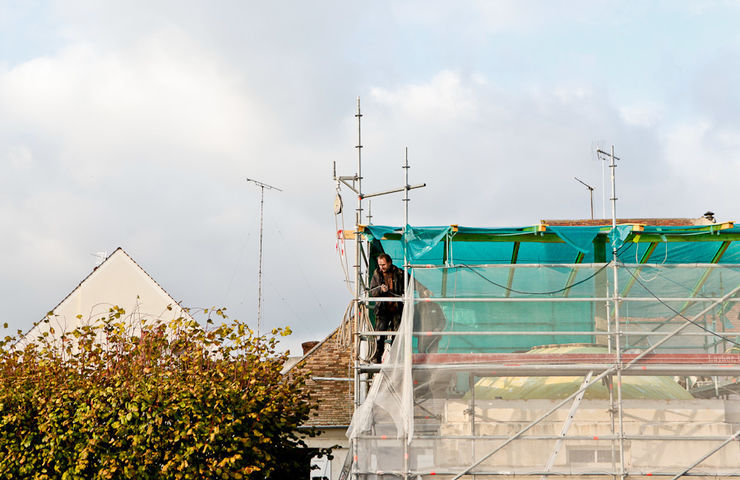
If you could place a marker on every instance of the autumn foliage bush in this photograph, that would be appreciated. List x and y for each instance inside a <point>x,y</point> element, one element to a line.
<point>174,401</point>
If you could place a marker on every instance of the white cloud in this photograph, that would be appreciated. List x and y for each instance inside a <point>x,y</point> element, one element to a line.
<point>701,154</point>
<point>641,114</point>
<point>481,18</point>
<point>117,107</point>
<point>19,157</point>
<point>443,97</point>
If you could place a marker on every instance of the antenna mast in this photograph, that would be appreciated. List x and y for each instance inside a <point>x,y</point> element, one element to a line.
<point>612,158</point>
<point>591,191</point>
<point>617,326</point>
<point>262,187</point>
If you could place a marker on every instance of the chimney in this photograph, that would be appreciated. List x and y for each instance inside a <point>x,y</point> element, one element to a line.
<point>307,346</point>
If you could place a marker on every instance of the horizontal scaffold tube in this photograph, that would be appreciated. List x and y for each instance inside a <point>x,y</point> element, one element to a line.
<point>502,370</point>
<point>443,333</point>
<point>531,473</point>
<point>552,299</point>
<point>709,438</point>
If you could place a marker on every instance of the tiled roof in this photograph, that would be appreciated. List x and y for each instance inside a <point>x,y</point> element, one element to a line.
<point>331,380</point>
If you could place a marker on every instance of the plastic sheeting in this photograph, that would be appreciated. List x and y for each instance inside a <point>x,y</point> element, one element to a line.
<point>452,245</point>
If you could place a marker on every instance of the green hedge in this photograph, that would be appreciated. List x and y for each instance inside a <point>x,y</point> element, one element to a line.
<point>174,401</point>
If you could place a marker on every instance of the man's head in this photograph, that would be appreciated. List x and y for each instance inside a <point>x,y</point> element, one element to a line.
<point>384,262</point>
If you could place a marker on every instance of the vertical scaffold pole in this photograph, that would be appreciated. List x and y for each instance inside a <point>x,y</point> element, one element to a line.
<point>617,326</point>
<point>406,292</point>
<point>358,215</point>
<point>358,277</point>
<point>405,219</point>
<point>613,409</point>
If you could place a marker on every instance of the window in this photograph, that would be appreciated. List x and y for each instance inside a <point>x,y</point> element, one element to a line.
<point>588,455</point>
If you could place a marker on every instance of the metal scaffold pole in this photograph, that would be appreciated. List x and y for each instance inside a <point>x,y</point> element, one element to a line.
<point>615,300</point>
<point>407,187</point>
<point>406,288</point>
<point>358,214</point>
<point>358,273</point>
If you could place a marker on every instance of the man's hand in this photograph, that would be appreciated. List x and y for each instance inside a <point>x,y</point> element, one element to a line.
<point>384,288</point>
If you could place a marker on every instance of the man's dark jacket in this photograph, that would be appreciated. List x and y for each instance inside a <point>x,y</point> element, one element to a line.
<point>382,308</point>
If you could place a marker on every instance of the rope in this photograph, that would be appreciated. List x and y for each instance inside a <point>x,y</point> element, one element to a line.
<point>661,263</point>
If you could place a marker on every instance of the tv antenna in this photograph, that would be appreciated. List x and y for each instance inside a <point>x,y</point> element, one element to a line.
<point>262,187</point>
<point>590,191</point>
<point>100,258</point>
<point>612,165</point>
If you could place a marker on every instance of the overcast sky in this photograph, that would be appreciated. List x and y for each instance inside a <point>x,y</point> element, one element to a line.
<point>136,123</point>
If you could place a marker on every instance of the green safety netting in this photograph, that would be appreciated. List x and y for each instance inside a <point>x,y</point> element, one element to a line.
<point>548,279</point>
<point>536,300</point>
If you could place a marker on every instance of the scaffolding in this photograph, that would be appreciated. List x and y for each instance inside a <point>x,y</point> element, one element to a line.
<point>529,366</point>
<point>602,351</point>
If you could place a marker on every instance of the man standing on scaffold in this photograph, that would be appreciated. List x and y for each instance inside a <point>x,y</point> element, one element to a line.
<point>387,281</point>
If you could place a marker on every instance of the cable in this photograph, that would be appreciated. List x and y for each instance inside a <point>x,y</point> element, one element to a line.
<point>365,324</point>
<point>678,314</point>
<point>535,293</point>
<point>553,291</point>
<point>342,251</point>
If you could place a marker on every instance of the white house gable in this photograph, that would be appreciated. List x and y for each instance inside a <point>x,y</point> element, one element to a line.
<point>118,281</point>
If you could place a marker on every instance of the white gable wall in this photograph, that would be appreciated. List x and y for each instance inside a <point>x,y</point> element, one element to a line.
<point>117,281</point>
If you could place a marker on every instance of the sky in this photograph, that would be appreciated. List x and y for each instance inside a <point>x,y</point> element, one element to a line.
<point>135,124</point>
